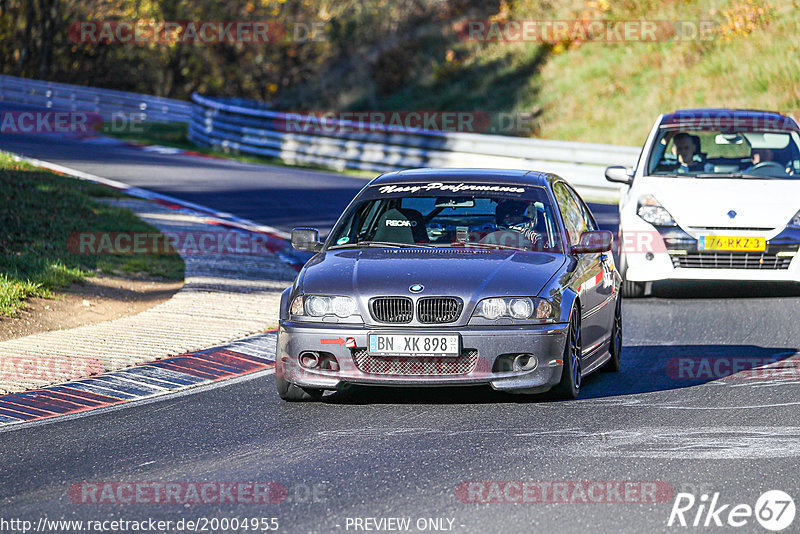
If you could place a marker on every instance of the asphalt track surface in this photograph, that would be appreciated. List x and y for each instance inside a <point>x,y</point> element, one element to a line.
<point>380,453</point>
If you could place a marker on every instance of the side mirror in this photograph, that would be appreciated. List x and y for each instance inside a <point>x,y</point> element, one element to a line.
<point>619,174</point>
<point>593,241</point>
<point>306,239</point>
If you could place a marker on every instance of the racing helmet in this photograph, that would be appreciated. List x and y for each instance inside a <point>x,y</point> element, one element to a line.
<point>510,212</point>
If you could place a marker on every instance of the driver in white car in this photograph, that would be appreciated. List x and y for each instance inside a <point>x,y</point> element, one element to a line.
<point>690,159</point>
<point>759,155</point>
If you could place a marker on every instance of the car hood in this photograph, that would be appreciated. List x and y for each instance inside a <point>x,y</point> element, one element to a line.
<point>471,274</point>
<point>710,202</point>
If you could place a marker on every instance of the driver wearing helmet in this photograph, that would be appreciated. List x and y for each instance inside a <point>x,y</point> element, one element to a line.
<point>519,216</point>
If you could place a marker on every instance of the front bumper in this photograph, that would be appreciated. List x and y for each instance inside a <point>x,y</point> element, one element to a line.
<point>672,254</point>
<point>546,342</point>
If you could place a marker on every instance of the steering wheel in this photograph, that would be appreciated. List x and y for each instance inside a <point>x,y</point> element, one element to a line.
<point>766,166</point>
<point>508,238</point>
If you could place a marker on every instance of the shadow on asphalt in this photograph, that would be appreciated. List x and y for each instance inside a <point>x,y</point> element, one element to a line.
<point>645,369</point>
<point>722,290</point>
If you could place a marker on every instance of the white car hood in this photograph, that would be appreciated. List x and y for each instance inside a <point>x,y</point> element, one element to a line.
<point>710,202</point>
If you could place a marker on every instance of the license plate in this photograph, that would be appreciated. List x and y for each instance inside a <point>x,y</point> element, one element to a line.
<point>732,243</point>
<point>439,345</point>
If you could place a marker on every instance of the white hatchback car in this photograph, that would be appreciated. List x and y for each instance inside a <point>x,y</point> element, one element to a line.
<point>715,195</point>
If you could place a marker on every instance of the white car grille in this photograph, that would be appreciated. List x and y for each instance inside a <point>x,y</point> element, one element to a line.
<point>731,260</point>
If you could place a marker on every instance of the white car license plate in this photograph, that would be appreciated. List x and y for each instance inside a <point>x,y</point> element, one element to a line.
<point>732,243</point>
<point>441,345</point>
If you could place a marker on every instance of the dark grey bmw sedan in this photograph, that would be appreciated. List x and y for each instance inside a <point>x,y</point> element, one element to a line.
<point>438,277</point>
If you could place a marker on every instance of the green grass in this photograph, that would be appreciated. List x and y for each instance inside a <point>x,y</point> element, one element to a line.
<point>603,91</point>
<point>39,210</point>
<point>612,93</point>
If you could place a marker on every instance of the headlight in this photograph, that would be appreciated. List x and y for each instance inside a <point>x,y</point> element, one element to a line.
<point>297,306</point>
<point>653,212</point>
<point>343,306</point>
<point>322,305</point>
<point>491,308</point>
<point>318,306</point>
<point>795,222</point>
<point>521,308</point>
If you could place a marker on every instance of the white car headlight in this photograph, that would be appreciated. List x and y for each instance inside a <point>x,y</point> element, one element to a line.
<point>520,308</point>
<point>323,305</point>
<point>795,222</point>
<point>653,212</point>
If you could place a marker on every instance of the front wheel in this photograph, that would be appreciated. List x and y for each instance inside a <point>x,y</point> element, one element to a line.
<point>292,393</point>
<point>630,290</point>
<point>570,385</point>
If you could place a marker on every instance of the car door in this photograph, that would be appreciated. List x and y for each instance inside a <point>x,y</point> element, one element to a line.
<point>588,274</point>
<point>605,287</point>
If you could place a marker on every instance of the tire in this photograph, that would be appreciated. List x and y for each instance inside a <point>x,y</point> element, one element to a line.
<point>570,385</point>
<point>615,348</point>
<point>292,393</point>
<point>632,290</point>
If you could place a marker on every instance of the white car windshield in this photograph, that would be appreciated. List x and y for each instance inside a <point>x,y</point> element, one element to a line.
<point>724,154</point>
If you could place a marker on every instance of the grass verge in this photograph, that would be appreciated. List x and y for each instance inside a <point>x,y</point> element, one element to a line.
<point>39,210</point>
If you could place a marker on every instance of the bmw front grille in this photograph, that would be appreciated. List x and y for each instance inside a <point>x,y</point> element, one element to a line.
<point>430,310</point>
<point>437,310</point>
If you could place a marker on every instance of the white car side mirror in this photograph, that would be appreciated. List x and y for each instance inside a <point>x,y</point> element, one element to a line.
<point>619,174</point>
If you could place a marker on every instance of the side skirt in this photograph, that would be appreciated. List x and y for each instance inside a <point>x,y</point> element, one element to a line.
<point>598,358</point>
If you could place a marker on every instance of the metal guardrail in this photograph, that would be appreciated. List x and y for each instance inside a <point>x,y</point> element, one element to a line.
<point>252,128</point>
<point>236,125</point>
<point>105,102</point>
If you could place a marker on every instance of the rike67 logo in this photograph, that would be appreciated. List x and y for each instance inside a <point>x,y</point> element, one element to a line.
<point>774,510</point>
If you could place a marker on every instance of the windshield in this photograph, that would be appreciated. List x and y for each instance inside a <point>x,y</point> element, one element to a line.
<point>710,153</point>
<point>451,216</point>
